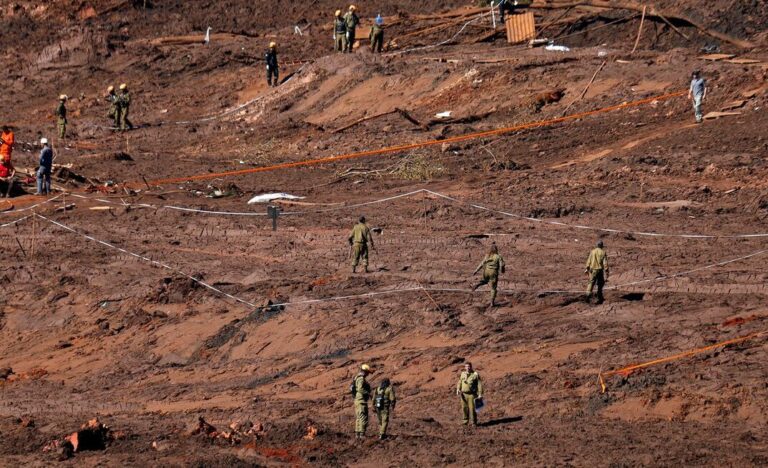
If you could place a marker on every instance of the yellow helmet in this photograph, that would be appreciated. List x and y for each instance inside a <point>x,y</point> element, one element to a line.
<point>352,8</point>
<point>365,367</point>
<point>110,89</point>
<point>338,12</point>
<point>63,97</point>
<point>272,45</point>
<point>123,86</point>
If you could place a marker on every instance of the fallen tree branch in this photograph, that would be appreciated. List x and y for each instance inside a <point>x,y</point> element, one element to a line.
<point>651,12</point>
<point>396,110</point>
<point>584,93</point>
<point>639,32</point>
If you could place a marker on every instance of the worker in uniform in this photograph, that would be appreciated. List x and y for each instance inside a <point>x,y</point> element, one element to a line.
<point>469,389</point>
<point>112,112</point>
<point>384,403</point>
<point>272,70</point>
<point>377,34</point>
<point>492,265</point>
<point>44,169</point>
<point>7,141</point>
<point>362,393</point>
<point>340,32</point>
<point>696,93</point>
<point>360,239</point>
<point>124,108</point>
<point>61,115</point>
<point>352,20</point>
<point>597,270</point>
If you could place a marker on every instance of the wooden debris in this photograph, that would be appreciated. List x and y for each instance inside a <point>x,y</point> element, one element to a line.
<point>744,61</point>
<point>583,93</point>
<point>717,115</point>
<point>734,105</point>
<point>716,57</point>
<point>651,11</point>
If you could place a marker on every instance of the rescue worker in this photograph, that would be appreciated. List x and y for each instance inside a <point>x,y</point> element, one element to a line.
<point>360,239</point>
<point>340,32</point>
<point>61,115</point>
<point>362,393</point>
<point>271,58</point>
<point>124,108</point>
<point>511,7</point>
<point>352,20</point>
<point>7,141</point>
<point>44,170</point>
<point>469,389</point>
<point>377,34</point>
<point>492,265</point>
<point>384,403</point>
<point>597,270</point>
<point>112,113</point>
<point>696,93</point>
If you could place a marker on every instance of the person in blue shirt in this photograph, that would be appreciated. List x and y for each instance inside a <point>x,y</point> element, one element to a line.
<point>44,171</point>
<point>697,92</point>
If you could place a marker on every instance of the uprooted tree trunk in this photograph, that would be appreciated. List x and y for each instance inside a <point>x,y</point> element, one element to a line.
<point>651,11</point>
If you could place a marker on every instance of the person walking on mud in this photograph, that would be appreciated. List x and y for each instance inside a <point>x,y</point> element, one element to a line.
<point>361,391</point>
<point>43,173</point>
<point>377,35</point>
<point>492,265</point>
<point>470,390</point>
<point>112,111</point>
<point>340,32</point>
<point>359,240</point>
<point>124,108</point>
<point>273,72</point>
<point>384,403</point>
<point>697,93</point>
<point>352,20</point>
<point>597,270</point>
<point>61,116</point>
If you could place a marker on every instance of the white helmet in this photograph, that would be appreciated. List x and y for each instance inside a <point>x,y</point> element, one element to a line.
<point>43,141</point>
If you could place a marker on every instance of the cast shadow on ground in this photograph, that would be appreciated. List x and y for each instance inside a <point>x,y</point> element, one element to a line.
<point>497,422</point>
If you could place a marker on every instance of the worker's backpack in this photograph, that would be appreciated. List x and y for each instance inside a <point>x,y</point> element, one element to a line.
<point>381,401</point>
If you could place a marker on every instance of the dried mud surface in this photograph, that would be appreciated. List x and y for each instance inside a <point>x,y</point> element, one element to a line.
<point>91,330</point>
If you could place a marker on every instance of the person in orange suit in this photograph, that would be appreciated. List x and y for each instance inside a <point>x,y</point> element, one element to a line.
<point>7,141</point>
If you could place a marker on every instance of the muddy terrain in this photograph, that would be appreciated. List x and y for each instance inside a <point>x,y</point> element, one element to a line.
<point>148,293</point>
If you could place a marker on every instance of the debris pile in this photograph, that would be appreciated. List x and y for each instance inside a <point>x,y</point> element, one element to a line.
<point>236,433</point>
<point>92,435</point>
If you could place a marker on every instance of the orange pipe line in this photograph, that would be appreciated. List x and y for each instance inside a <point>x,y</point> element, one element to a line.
<point>683,354</point>
<point>399,148</point>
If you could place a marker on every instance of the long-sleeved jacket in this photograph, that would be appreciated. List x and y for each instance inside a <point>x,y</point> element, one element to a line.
<point>470,382</point>
<point>124,100</point>
<point>271,58</point>
<point>492,264</point>
<point>352,20</point>
<point>387,394</point>
<point>362,388</point>
<point>46,158</point>
<point>340,26</point>
<point>6,148</point>
<point>597,260</point>
<point>61,111</point>
<point>361,234</point>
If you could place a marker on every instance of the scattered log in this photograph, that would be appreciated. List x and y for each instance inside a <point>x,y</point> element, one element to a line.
<point>639,32</point>
<point>652,11</point>
<point>396,110</point>
<point>583,93</point>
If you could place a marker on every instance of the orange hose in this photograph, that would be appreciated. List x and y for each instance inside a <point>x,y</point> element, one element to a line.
<point>399,148</point>
<point>629,369</point>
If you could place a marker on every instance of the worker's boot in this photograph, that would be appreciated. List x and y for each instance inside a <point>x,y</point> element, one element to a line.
<point>354,269</point>
<point>366,268</point>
